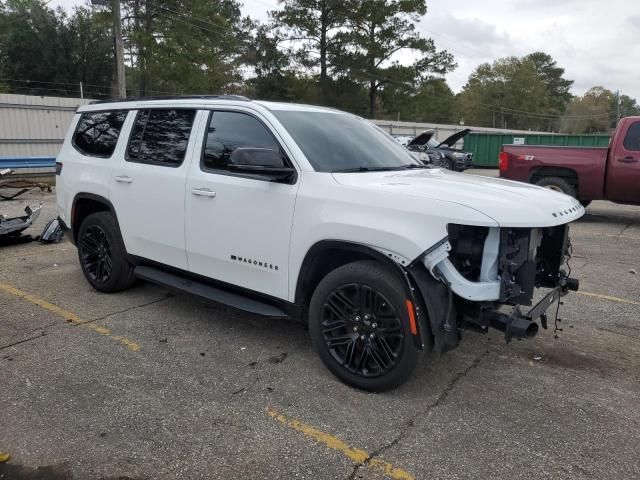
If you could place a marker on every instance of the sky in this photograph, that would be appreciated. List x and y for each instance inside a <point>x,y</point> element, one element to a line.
<point>597,43</point>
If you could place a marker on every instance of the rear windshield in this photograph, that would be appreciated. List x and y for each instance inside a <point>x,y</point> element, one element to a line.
<point>333,142</point>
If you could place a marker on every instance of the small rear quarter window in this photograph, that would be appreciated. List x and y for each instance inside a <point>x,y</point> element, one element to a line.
<point>97,132</point>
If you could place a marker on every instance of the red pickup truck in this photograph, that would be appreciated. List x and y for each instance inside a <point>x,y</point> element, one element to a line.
<point>586,173</point>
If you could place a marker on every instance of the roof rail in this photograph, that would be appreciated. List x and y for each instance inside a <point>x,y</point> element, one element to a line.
<point>174,97</point>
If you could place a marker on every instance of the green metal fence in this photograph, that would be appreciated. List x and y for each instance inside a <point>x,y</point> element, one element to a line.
<point>486,146</point>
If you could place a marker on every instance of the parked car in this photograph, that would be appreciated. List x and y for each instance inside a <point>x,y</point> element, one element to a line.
<point>427,149</point>
<point>295,211</point>
<point>585,173</point>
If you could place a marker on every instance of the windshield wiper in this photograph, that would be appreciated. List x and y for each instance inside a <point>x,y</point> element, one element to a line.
<point>367,169</point>
<point>414,165</point>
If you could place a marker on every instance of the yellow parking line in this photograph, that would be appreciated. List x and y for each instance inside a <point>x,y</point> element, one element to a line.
<point>355,454</point>
<point>608,297</point>
<point>72,317</point>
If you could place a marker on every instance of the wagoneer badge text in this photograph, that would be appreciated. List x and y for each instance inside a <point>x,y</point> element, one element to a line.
<point>256,263</point>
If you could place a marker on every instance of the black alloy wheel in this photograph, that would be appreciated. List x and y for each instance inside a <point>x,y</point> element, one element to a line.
<point>362,330</point>
<point>102,254</point>
<point>95,254</point>
<point>361,326</point>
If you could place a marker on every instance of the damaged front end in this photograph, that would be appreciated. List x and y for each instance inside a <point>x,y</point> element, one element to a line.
<point>491,273</point>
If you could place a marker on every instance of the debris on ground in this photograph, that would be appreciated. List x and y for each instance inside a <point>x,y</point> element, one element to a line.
<point>633,271</point>
<point>4,457</point>
<point>278,358</point>
<point>23,186</point>
<point>12,227</point>
<point>52,232</point>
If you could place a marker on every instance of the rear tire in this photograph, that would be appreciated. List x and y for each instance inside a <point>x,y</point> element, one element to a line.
<point>359,325</point>
<point>102,254</point>
<point>558,184</point>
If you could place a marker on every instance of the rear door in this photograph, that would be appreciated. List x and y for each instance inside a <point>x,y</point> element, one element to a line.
<point>238,227</point>
<point>624,175</point>
<point>148,184</point>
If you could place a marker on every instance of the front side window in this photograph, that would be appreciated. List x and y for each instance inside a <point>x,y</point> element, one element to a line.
<point>160,137</point>
<point>340,142</point>
<point>632,138</point>
<point>229,130</point>
<point>97,132</point>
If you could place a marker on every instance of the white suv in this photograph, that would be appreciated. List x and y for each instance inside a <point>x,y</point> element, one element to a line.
<point>311,213</point>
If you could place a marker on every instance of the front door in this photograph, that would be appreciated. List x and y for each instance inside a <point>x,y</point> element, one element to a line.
<point>624,182</point>
<point>148,185</point>
<point>238,227</point>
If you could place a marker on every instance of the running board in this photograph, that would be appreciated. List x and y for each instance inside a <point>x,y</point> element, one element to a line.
<point>209,292</point>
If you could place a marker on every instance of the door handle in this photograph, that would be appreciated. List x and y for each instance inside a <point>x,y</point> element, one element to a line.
<point>123,179</point>
<point>628,160</point>
<point>203,192</point>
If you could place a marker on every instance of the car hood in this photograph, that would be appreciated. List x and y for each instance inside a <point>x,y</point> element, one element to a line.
<point>421,139</point>
<point>455,138</point>
<point>508,203</point>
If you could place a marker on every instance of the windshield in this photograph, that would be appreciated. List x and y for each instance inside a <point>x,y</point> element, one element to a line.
<point>334,142</point>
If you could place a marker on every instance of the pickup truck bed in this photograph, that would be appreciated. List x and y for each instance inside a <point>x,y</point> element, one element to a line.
<point>528,163</point>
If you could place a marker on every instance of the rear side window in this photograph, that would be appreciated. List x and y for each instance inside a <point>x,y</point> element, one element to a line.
<point>97,132</point>
<point>230,130</point>
<point>632,139</point>
<point>160,137</point>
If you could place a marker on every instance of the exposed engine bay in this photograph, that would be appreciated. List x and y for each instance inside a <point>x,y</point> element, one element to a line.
<point>490,269</point>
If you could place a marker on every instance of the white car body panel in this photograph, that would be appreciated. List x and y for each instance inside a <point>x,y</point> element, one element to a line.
<point>329,208</point>
<point>82,174</point>
<point>501,200</point>
<point>241,235</point>
<point>150,208</point>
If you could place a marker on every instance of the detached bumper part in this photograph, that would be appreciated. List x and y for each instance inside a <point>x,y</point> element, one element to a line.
<point>15,225</point>
<point>486,289</point>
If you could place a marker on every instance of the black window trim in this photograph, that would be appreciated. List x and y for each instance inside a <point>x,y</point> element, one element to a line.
<point>75,131</point>
<point>163,107</point>
<point>229,173</point>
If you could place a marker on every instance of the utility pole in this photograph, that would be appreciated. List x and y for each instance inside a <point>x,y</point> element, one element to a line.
<point>617,107</point>
<point>120,89</point>
<point>117,33</point>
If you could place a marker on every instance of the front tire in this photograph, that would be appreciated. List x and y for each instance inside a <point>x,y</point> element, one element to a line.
<point>359,325</point>
<point>558,184</point>
<point>102,254</point>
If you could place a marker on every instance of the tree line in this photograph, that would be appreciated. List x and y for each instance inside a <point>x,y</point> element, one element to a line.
<point>340,53</point>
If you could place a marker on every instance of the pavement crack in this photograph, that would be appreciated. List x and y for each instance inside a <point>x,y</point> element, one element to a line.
<point>125,310</point>
<point>4,347</point>
<point>625,228</point>
<point>76,324</point>
<point>409,425</point>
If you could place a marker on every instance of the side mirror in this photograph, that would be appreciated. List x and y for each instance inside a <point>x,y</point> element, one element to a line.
<point>262,162</point>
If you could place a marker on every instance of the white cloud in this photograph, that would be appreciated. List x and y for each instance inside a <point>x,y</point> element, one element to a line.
<point>596,42</point>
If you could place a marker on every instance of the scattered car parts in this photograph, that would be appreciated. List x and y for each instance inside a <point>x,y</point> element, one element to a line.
<point>52,232</point>
<point>14,226</point>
